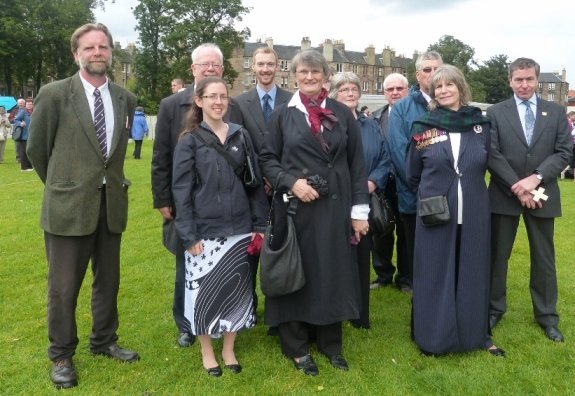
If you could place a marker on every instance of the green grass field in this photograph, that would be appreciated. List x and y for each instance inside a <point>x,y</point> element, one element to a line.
<point>383,360</point>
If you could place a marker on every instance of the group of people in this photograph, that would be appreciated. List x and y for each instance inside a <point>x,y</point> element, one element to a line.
<point>19,117</point>
<point>214,221</point>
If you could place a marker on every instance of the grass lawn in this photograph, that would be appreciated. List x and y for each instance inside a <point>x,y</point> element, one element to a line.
<point>383,360</point>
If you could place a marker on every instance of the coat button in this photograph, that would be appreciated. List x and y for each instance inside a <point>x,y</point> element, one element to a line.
<point>334,196</point>
<point>305,171</point>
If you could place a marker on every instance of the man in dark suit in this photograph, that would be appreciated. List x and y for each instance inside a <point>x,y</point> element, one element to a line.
<point>207,61</point>
<point>257,105</point>
<point>530,146</point>
<point>395,87</point>
<point>77,145</point>
<point>252,103</point>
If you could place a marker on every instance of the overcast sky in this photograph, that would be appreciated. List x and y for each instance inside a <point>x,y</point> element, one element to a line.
<point>542,30</point>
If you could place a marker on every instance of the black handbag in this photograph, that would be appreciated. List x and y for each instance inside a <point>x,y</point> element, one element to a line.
<point>433,210</point>
<point>382,219</point>
<point>17,133</point>
<point>281,269</point>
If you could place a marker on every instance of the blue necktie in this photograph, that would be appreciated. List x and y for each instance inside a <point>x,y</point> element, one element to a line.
<point>529,121</point>
<point>100,122</point>
<point>266,107</point>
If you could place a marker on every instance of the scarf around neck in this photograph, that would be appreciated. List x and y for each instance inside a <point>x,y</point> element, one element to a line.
<point>462,120</point>
<point>318,115</point>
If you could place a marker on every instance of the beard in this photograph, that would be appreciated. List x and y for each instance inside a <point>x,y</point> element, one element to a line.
<point>96,68</point>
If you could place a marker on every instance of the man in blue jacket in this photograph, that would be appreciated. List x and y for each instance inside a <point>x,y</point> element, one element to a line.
<point>405,112</point>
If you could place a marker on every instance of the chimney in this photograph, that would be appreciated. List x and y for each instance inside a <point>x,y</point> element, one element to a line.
<point>328,50</point>
<point>386,56</point>
<point>370,54</point>
<point>564,75</point>
<point>305,43</point>
<point>270,42</point>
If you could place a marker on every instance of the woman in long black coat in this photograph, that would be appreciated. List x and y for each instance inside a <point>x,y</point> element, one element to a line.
<point>448,156</point>
<point>314,135</point>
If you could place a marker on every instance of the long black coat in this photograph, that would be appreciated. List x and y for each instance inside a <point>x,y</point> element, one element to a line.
<point>450,304</point>
<point>323,226</point>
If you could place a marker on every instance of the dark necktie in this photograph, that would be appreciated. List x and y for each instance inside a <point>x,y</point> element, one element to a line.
<point>529,121</point>
<point>266,107</point>
<point>100,122</point>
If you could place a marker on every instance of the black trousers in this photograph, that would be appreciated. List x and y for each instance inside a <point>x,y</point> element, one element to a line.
<point>24,161</point>
<point>137,148</point>
<point>296,337</point>
<point>363,258</point>
<point>408,225</point>
<point>68,258</point>
<point>179,292</point>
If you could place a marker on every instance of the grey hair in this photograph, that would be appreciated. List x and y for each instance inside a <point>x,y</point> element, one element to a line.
<point>395,76</point>
<point>202,47</point>
<point>343,78</point>
<point>449,73</point>
<point>429,55</point>
<point>311,58</point>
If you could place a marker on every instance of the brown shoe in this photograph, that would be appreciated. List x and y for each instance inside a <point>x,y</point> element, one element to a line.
<point>63,374</point>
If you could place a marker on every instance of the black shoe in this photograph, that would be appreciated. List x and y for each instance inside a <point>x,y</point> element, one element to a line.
<point>339,362</point>
<point>493,320</point>
<point>63,374</point>
<point>553,333</point>
<point>405,289</point>
<point>214,371</point>
<point>428,354</point>
<point>185,340</point>
<point>234,368</point>
<point>273,331</point>
<point>307,365</point>
<point>496,351</point>
<point>115,352</point>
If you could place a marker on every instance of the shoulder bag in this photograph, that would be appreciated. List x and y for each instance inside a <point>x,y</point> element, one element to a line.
<point>433,210</point>
<point>382,219</point>
<point>17,133</point>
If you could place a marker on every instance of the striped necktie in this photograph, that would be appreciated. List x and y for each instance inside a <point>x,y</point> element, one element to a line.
<point>267,108</point>
<point>529,121</point>
<point>100,122</point>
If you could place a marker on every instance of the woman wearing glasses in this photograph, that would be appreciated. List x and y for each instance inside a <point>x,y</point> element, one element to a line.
<point>447,158</point>
<point>345,88</point>
<point>312,136</point>
<point>217,217</point>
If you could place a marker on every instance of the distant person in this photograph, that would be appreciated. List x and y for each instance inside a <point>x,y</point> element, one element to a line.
<point>346,88</point>
<point>365,110</point>
<point>530,146</point>
<point>177,85</point>
<point>77,145</point>
<point>5,128</point>
<point>404,113</point>
<point>208,60</point>
<point>395,87</point>
<point>447,157</point>
<point>23,119</point>
<point>13,113</point>
<point>139,130</point>
<point>216,232</point>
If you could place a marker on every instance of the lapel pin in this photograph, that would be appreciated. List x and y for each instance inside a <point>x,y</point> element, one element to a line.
<point>477,128</point>
<point>543,113</point>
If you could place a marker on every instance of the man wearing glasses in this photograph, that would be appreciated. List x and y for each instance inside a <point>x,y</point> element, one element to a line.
<point>207,60</point>
<point>395,87</point>
<point>405,112</point>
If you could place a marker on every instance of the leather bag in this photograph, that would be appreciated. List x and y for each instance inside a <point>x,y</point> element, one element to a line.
<point>381,216</point>
<point>433,210</point>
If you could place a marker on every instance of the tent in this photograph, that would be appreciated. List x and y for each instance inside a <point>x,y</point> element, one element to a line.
<point>8,102</point>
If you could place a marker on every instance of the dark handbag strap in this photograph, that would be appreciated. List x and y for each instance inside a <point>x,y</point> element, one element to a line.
<point>209,140</point>
<point>293,204</point>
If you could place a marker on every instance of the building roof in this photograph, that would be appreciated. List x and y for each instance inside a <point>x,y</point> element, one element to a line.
<point>549,78</point>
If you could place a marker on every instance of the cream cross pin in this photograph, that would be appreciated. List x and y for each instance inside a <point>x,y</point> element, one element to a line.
<point>539,194</point>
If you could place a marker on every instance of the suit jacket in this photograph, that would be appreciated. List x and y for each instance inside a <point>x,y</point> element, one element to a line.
<point>66,156</point>
<point>169,126</point>
<point>512,159</point>
<point>253,115</point>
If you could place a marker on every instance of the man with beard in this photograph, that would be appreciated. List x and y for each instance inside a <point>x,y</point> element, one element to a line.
<point>77,145</point>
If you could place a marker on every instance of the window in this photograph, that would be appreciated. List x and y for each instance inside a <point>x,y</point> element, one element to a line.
<point>540,86</point>
<point>379,87</point>
<point>380,72</point>
<point>339,67</point>
<point>365,86</point>
<point>551,97</point>
<point>284,82</point>
<point>254,81</point>
<point>354,69</point>
<point>246,63</point>
<point>551,86</point>
<point>284,65</point>
<point>364,69</point>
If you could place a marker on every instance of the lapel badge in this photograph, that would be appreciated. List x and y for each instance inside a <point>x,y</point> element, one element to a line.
<point>544,113</point>
<point>235,148</point>
<point>478,128</point>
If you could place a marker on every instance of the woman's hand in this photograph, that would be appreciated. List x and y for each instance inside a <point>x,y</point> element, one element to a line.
<point>371,186</point>
<point>196,249</point>
<point>360,227</point>
<point>303,191</point>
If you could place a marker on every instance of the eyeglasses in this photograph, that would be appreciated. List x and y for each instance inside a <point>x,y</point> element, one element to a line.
<point>208,65</point>
<point>391,89</point>
<point>429,69</point>
<point>348,90</point>
<point>214,97</point>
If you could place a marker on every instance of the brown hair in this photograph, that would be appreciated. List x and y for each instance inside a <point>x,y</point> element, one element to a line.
<point>88,28</point>
<point>264,50</point>
<point>195,115</point>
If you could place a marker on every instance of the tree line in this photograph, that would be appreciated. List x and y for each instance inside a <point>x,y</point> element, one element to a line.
<point>35,45</point>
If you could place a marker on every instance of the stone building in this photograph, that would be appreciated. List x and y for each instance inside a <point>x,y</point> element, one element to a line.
<point>371,67</point>
<point>554,87</point>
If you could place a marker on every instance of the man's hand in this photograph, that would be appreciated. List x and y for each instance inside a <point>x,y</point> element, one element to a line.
<point>525,185</point>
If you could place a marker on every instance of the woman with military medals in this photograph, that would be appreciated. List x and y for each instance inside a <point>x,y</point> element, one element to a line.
<point>446,165</point>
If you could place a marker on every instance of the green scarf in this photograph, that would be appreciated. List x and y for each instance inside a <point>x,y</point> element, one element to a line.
<point>462,120</point>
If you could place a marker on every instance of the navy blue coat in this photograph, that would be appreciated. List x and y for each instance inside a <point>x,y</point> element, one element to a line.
<point>451,294</point>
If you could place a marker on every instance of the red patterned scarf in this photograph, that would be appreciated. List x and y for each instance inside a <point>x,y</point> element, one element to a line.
<point>318,116</point>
